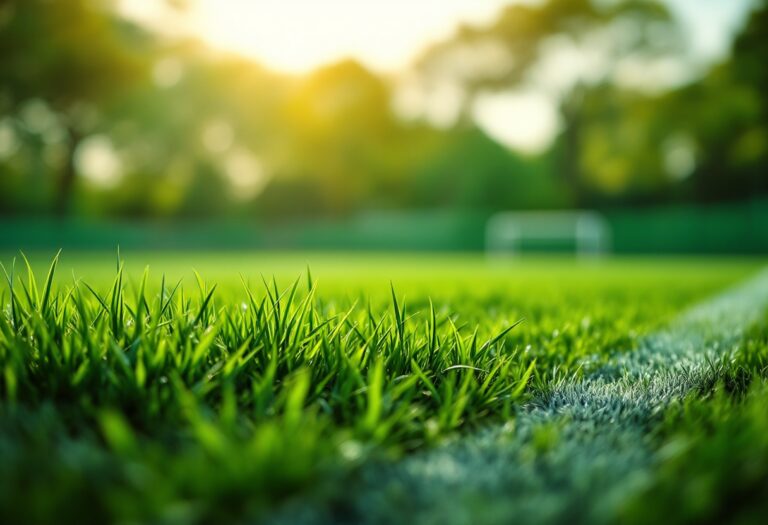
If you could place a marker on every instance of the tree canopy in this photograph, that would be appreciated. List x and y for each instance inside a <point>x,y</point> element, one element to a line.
<point>99,116</point>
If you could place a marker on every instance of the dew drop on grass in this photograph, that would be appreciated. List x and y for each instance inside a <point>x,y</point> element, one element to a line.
<point>432,427</point>
<point>351,450</point>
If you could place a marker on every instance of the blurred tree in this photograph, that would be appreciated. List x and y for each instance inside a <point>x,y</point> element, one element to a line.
<point>562,47</point>
<point>621,146</point>
<point>205,133</point>
<point>750,56</point>
<point>69,58</point>
<point>347,151</point>
<point>723,119</point>
<point>750,51</point>
<point>468,170</point>
<point>342,134</point>
<point>208,125</point>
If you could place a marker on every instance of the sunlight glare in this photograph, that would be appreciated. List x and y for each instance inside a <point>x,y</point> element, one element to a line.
<point>525,121</point>
<point>299,35</point>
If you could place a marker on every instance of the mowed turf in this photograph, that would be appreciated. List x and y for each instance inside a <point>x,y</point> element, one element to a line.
<point>162,395</point>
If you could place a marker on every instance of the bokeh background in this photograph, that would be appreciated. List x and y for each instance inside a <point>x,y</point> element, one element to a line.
<point>402,125</point>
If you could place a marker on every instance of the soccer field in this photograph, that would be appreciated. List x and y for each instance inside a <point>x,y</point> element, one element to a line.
<point>301,387</point>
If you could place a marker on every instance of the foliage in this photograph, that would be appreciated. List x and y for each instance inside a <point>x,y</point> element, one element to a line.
<point>196,132</point>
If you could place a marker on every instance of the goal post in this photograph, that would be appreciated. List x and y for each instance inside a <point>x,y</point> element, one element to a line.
<point>587,233</point>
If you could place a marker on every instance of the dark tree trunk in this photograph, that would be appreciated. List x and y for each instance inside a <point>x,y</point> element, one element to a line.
<point>67,178</point>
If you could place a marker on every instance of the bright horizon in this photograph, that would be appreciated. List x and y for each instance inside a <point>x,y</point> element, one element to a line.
<point>297,36</point>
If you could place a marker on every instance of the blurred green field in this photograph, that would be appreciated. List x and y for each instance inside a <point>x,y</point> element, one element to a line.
<point>371,272</point>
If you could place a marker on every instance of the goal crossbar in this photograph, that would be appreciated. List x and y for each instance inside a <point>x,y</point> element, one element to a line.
<point>588,230</point>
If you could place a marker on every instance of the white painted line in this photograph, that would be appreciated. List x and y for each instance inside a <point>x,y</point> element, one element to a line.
<point>573,454</point>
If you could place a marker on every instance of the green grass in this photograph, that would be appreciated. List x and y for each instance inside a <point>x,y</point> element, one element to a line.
<point>221,396</point>
<point>713,449</point>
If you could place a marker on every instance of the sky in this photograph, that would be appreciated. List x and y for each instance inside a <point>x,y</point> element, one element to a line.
<point>297,36</point>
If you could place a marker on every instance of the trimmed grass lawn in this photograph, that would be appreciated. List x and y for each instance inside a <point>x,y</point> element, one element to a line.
<point>165,395</point>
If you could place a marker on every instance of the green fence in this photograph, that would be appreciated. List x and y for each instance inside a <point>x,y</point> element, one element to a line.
<point>737,228</point>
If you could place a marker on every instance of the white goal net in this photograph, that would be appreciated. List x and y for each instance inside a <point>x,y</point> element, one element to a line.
<point>585,233</point>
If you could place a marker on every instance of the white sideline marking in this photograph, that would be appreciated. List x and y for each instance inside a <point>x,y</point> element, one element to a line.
<point>600,454</point>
